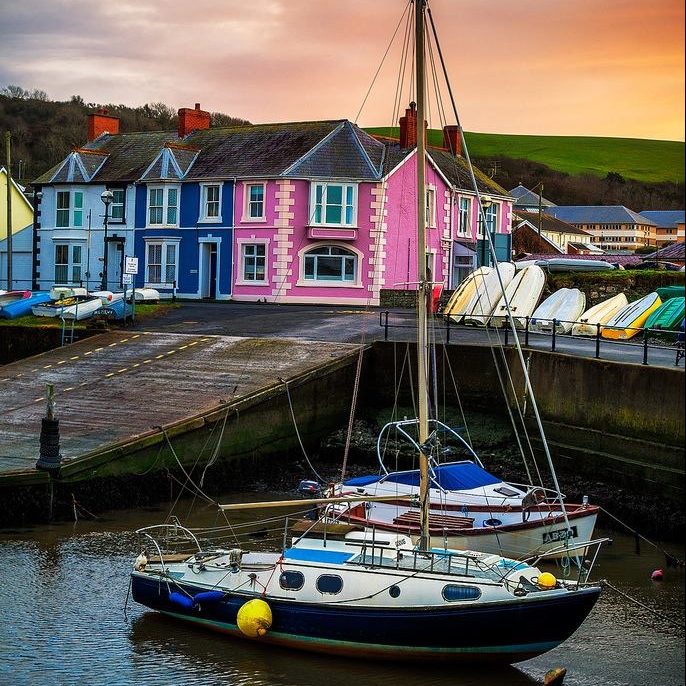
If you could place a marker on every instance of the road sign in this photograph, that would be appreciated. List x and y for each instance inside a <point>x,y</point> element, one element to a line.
<point>131,265</point>
<point>127,279</point>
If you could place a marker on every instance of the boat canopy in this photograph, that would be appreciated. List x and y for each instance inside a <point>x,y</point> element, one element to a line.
<point>453,476</point>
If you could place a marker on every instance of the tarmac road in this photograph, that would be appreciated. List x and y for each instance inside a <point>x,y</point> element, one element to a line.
<point>349,324</point>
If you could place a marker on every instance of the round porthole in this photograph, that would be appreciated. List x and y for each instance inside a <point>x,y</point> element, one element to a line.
<point>394,591</point>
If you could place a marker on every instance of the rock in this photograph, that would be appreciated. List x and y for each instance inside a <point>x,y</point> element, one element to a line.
<point>555,676</point>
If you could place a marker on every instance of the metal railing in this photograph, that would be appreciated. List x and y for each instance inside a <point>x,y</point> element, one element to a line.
<point>448,328</point>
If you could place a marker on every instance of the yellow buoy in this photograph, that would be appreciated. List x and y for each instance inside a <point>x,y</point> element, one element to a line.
<point>254,618</point>
<point>547,580</point>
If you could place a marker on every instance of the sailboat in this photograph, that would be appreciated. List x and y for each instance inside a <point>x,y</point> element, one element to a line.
<point>348,590</point>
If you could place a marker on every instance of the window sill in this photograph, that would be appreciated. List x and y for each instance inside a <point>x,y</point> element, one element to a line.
<point>240,282</point>
<point>253,220</point>
<point>328,284</point>
<point>209,220</point>
<point>162,226</point>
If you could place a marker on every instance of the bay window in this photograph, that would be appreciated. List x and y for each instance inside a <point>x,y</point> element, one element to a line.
<point>333,204</point>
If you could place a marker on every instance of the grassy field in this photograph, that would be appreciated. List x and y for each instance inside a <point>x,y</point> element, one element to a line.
<point>633,158</point>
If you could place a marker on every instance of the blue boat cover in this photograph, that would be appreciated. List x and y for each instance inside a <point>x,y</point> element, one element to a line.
<point>317,555</point>
<point>456,476</point>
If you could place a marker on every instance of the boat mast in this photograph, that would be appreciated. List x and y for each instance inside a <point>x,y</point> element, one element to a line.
<point>424,288</point>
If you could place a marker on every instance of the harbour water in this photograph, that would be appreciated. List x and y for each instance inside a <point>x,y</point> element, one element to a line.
<point>65,620</point>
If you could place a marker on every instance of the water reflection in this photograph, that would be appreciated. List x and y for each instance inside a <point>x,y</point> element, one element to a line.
<point>242,662</point>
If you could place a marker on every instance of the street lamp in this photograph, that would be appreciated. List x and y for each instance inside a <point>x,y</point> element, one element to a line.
<point>106,196</point>
<point>486,202</point>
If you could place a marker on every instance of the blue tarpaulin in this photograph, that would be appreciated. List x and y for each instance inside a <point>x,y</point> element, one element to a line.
<point>456,476</point>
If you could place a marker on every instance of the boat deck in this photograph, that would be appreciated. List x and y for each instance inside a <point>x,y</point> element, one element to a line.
<point>118,385</point>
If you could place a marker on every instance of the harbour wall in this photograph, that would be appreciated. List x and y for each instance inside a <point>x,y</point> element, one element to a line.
<point>609,422</point>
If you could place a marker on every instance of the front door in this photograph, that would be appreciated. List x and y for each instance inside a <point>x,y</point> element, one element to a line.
<point>115,262</point>
<point>208,270</point>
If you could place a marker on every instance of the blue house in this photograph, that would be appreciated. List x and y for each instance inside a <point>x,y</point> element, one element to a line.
<point>179,224</point>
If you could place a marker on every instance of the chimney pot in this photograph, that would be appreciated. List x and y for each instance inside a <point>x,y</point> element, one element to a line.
<point>197,105</point>
<point>100,122</point>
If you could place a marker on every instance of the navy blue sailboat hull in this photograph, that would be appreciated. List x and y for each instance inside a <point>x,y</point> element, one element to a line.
<point>504,632</point>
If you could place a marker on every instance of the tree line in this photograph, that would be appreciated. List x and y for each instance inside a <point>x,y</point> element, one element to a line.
<point>44,131</point>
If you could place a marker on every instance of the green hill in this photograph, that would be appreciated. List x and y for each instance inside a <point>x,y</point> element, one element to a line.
<point>643,160</point>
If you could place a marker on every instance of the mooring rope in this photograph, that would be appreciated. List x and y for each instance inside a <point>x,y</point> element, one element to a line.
<point>652,611</point>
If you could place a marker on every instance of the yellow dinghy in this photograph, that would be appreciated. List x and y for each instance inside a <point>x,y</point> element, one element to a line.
<point>629,320</point>
<point>599,314</point>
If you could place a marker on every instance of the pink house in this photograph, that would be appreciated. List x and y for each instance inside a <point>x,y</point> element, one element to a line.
<point>326,213</point>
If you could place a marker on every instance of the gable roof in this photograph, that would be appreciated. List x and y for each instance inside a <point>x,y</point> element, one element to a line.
<point>597,214</point>
<point>675,251</point>
<point>527,198</point>
<point>664,218</point>
<point>548,223</point>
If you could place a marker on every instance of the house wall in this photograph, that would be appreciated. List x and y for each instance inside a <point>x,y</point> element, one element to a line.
<point>91,240</point>
<point>22,237</point>
<point>192,237</point>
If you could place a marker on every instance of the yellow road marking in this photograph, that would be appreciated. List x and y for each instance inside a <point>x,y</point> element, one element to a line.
<point>62,362</point>
<point>71,388</point>
<point>111,345</point>
<point>37,400</point>
<point>76,357</point>
<point>138,364</point>
<point>119,371</point>
<point>97,350</point>
<point>123,340</point>
<point>83,383</point>
<point>136,336</point>
<point>193,343</point>
<point>159,357</point>
<point>90,352</point>
<point>147,361</point>
<point>183,347</point>
<point>47,366</point>
<point>171,352</point>
<point>110,374</point>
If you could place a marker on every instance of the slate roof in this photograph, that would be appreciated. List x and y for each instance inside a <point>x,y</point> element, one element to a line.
<point>675,251</point>
<point>612,258</point>
<point>664,218</point>
<point>321,149</point>
<point>597,214</point>
<point>527,198</point>
<point>552,224</point>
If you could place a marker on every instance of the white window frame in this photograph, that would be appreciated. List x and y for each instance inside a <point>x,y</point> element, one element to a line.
<point>71,263</point>
<point>464,216</point>
<point>204,216</point>
<point>165,243</point>
<point>355,283</point>
<point>72,211</point>
<point>431,206</point>
<point>247,202</point>
<point>242,243</point>
<point>492,211</point>
<point>166,188</point>
<point>111,218</point>
<point>325,186</point>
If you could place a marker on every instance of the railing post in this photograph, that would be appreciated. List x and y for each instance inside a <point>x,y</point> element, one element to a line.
<point>526,334</point>
<point>507,332</point>
<point>552,347</point>
<point>597,341</point>
<point>447,330</point>
<point>645,346</point>
<point>385,332</point>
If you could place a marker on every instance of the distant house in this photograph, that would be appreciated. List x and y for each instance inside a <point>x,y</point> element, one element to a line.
<point>669,226</point>
<point>613,228</point>
<point>553,236</point>
<point>672,254</point>
<point>304,212</point>
<point>527,200</point>
<point>22,236</point>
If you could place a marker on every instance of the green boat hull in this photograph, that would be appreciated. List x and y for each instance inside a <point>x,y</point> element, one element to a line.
<point>668,316</point>
<point>668,292</point>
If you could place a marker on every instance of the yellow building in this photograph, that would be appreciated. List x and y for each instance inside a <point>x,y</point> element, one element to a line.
<point>22,236</point>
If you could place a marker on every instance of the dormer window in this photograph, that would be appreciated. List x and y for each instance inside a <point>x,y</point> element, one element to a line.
<point>163,206</point>
<point>333,204</point>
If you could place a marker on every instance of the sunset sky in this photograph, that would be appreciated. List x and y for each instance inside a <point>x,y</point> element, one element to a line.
<point>567,67</point>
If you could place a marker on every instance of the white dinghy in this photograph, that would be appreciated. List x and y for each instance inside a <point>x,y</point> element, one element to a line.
<point>522,294</point>
<point>488,292</point>
<point>464,294</point>
<point>564,307</point>
<point>146,295</point>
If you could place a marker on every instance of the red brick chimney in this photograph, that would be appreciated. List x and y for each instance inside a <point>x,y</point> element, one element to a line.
<point>452,140</point>
<point>101,122</point>
<point>192,120</point>
<point>408,128</point>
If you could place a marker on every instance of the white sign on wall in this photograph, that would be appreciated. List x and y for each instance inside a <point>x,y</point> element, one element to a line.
<point>131,265</point>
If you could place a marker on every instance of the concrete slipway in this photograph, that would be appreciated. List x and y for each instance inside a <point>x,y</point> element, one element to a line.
<point>115,391</point>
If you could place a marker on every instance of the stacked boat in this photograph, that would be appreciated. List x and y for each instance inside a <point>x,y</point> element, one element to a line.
<point>561,310</point>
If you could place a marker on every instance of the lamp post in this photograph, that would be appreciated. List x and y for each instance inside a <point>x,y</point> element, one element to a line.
<point>106,196</point>
<point>486,202</point>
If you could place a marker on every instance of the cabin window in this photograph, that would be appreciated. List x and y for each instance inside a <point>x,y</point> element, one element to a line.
<point>210,202</point>
<point>330,263</point>
<point>117,207</point>
<point>291,581</point>
<point>329,583</point>
<point>254,202</point>
<point>254,262</point>
<point>161,265</point>
<point>453,592</point>
<point>333,204</point>
<point>68,263</point>
<point>69,209</point>
<point>163,206</point>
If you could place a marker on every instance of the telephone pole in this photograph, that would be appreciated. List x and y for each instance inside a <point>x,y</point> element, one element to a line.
<point>8,151</point>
